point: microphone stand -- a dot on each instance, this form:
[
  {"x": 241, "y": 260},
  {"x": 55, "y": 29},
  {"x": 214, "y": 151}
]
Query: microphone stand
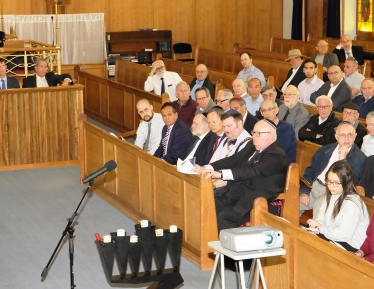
[{"x": 68, "y": 229}]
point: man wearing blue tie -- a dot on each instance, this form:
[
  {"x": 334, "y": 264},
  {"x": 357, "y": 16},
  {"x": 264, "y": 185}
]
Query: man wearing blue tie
[{"x": 6, "y": 81}]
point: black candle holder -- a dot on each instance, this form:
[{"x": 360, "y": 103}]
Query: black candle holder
[{"x": 148, "y": 246}]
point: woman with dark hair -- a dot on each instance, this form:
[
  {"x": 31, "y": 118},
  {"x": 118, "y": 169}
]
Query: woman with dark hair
[{"x": 342, "y": 217}]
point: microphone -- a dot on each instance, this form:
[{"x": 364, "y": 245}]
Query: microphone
[{"x": 108, "y": 167}]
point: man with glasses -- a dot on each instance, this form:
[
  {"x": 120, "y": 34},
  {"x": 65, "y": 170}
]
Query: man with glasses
[
  {"x": 366, "y": 100},
  {"x": 292, "y": 111},
  {"x": 351, "y": 112},
  {"x": 258, "y": 170},
  {"x": 336, "y": 88},
  {"x": 315, "y": 174},
  {"x": 323, "y": 56},
  {"x": 268, "y": 92},
  {"x": 320, "y": 127},
  {"x": 161, "y": 81},
  {"x": 184, "y": 105},
  {"x": 202, "y": 80},
  {"x": 352, "y": 76},
  {"x": 249, "y": 120},
  {"x": 311, "y": 83},
  {"x": 295, "y": 75},
  {"x": 223, "y": 98},
  {"x": 205, "y": 102}
]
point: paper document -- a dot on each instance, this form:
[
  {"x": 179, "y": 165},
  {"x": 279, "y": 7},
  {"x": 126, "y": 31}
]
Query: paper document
[{"x": 186, "y": 166}]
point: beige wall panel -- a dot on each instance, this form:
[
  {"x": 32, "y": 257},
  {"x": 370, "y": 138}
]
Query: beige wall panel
[
  {"x": 192, "y": 215},
  {"x": 146, "y": 201},
  {"x": 109, "y": 154}
]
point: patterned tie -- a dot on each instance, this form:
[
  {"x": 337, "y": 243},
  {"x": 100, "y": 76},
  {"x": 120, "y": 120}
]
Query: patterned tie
[
  {"x": 162, "y": 86},
  {"x": 3, "y": 84},
  {"x": 232, "y": 142},
  {"x": 286, "y": 115},
  {"x": 253, "y": 158},
  {"x": 165, "y": 141},
  {"x": 146, "y": 144}
]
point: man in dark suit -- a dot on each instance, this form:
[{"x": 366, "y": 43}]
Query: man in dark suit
[
  {"x": 345, "y": 49},
  {"x": 42, "y": 78},
  {"x": 176, "y": 135},
  {"x": 336, "y": 88},
  {"x": 202, "y": 79},
  {"x": 249, "y": 120},
  {"x": 202, "y": 142},
  {"x": 258, "y": 170},
  {"x": 6, "y": 81}
]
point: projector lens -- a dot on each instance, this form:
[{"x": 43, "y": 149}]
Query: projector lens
[{"x": 269, "y": 239}]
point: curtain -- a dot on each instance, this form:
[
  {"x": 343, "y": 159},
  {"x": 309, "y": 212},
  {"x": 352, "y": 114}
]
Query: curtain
[
  {"x": 82, "y": 36},
  {"x": 297, "y": 20},
  {"x": 333, "y": 19}
]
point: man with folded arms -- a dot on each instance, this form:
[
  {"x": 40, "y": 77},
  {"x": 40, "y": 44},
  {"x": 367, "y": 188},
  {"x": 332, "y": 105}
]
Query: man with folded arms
[
  {"x": 258, "y": 170},
  {"x": 202, "y": 80},
  {"x": 160, "y": 81},
  {"x": 320, "y": 128},
  {"x": 148, "y": 135},
  {"x": 292, "y": 111},
  {"x": 366, "y": 100},
  {"x": 204, "y": 101},
  {"x": 315, "y": 174}
]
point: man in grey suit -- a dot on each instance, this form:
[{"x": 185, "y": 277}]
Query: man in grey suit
[
  {"x": 204, "y": 100},
  {"x": 5, "y": 80},
  {"x": 336, "y": 88},
  {"x": 323, "y": 56}
]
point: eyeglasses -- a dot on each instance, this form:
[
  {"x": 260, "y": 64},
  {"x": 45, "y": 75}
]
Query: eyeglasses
[
  {"x": 202, "y": 98},
  {"x": 350, "y": 112},
  {"x": 343, "y": 135},
  {"x": 264, "y": 110},
  {"x": 333, "y": 73},
  {"x": 323, "y": 107},
  {"x": 220, "y": 101},
  {"x": 333, "y": 183},
  {"x": 258, "y": 133}
]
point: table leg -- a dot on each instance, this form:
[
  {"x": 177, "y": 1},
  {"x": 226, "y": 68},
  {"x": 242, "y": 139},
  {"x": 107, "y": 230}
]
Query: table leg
[
  {"x": 223, "y": 271},
  {"x": 214, "y": 270},
  {"x": 259, "y": 268},
  {"x": 257, "y": 273},
  {"x": 241, "y": 273}
]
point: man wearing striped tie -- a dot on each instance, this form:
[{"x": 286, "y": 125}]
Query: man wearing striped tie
[
  {"x": 176, "y": 136},
  {"x": 6, "y": 81}
]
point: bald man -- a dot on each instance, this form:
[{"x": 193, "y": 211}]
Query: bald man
[
  {"x": 202, "y": 79},
  {"x": 258, "y": 170},
  {"x": 345, "y": 49}
]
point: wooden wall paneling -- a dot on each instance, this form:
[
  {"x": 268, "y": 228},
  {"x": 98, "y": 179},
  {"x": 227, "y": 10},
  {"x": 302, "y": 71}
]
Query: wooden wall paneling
[
  {"x": 192, "y": 217},
  {"x": 146, "y": 188},
  {"x": 244, "y": 24},
  {"x": 93, "y": 101},
  {"x": 315, "y": 17},
  {"x": 110, "y": 154},
  {"x": 116, "y": 104}
]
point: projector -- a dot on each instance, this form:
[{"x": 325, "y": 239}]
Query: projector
[{"x": 251, "y": 238}]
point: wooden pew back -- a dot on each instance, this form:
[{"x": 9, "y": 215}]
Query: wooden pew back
[
  {"x": 304, "y": 153},
  {"x": 333, "y": 42},
  {"x": 284, "y": 45},
  {"x": 271, "y": 55}
]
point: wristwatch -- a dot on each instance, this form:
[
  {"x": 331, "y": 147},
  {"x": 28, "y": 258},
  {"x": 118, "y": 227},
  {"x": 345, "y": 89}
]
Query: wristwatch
[{"x": 221, "y": 174}]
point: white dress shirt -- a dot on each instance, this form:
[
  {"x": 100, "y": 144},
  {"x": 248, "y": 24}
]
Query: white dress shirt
[
  {"x": 156, "y": 133},
  {"x": 368, "y": 145},
  {"x": 171, "y": 79},
  {"x": 306, "y": 89},
  {"x": 41, "y": 82}
]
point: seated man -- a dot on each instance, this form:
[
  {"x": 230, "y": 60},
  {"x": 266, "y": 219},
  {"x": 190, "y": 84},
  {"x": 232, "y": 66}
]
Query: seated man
[
  {"x": 239, "y": 88},
  {"x": 6, "y": 81},
  {"x": 292, "y": 111},
  {"x": 216, "y": 126},
  {"x": 368, "y": 141},
  {"x": 249, "y": 70},
  {"x": 176, "y": 136},
  {"x": 259, "y": 170},
  {"x": 202, "y": 79},
  {"x": 202, "y": 142},
  {"x": 159, "y": 80},
  {"x": 366, "y": 100},
  {"x": 185, "y": 105},
  {"x": 315, "y": 174},
  {"x": 352, "y": 76},
  {"x": 296, "y": 74},
  {"x": 350, "y": 114},
  {"x": 148, "y": 135},
  {"x": 42, "y": 78},
  {"x": 345, "y": 49},
  {"x": 285, "y": 132},
  {"x": 269, "y": 92},
  {"x": 249, "y": 120},
  {"x": 336, "y": 88},
  {"x": 223, "y": 98},
  {"x": 255, "y": 98},
  {"x": 204, "y": 100},
  {"x": 323, "y": 56},
  {"x": 236, "y": 136},
  {"x": 311, "y": 83},
  {"x": 320, "y": 128}
]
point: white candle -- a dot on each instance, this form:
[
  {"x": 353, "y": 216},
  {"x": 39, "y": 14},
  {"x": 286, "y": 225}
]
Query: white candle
[
  {"x": 107, "y": 238},
  {"x": 133, "y": 239},
  {"x": 144, "y": 223},
  {"x": 159, "y": 232},
  {"x": 121, "y": 232},
  {"x": 173, "y": 229}
]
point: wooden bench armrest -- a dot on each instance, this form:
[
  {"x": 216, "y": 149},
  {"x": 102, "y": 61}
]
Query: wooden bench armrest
[{"x": 127, "y": 134}]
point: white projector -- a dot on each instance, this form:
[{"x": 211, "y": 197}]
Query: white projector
[{"x": 251, "y": 238}]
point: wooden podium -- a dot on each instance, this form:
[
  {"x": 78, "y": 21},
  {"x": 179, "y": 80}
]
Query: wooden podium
[{"x": 61, "y": 6}]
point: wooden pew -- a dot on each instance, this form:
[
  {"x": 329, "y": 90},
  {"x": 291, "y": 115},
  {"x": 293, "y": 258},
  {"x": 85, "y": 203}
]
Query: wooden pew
[
  {"x": 279, "y": 56},
  {"x": 333, "y": 42},
  {"x": 304, "y": 153},
  {"x": 284, "y": 45},
  {"x": 310, "y": 262},
  {"x": 39, "y": 126}
]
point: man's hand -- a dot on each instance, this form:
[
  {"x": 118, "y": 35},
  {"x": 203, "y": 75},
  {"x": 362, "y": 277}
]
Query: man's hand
[
  {"x": 219, "y": 183},
  {"x": 198, "y": 169},
  {"x": 343, "y": 151},
  {"x": 65, "y": 82},
  {"x": 155, "y": 65},
  {"x": 308, "y": 129},
  {"x": 304, "y": 199},
  {"x": 319, "y": 135}
]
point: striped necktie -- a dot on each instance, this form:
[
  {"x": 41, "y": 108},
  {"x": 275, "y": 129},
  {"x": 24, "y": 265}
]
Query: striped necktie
[{"x": 165, "y": 141}]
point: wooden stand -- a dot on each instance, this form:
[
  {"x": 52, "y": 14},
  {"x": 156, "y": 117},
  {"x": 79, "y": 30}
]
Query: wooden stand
[{"x": 61, "y": 6}]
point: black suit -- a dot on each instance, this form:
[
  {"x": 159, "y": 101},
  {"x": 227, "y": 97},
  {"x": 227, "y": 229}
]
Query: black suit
[
  {"x": 250, "y": 122},
  {"x": 208, "y": 84},
  {"x": 299, "y": 77},
  {"x": 361, "y": 132},
  {"x": 51, "y": 77},
  {"x": 341, "y": 95},
  {"x": 358, "y": 53},
  {"x": 264, "y": 176},
  {"x": 204, "y": 150},
  {"x": 11, "y": 82},
  {"x": 179, "y": 138}
]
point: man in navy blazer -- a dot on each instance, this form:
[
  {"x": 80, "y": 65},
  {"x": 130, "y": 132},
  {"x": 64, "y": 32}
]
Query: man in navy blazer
[
  {"x": 179, "y": 135},
  {"x": 202, "y": 142},
  {"x": 42, "y": 78},
  {"x": 240, "y": 106},
  {"x": 9, "y": 82},
  {"x": 345, "y": 49}
]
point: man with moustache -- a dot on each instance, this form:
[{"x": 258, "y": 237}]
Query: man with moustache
[
  {"x": 311, "y": 83},
  {"x": 148, "y": 135}
]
